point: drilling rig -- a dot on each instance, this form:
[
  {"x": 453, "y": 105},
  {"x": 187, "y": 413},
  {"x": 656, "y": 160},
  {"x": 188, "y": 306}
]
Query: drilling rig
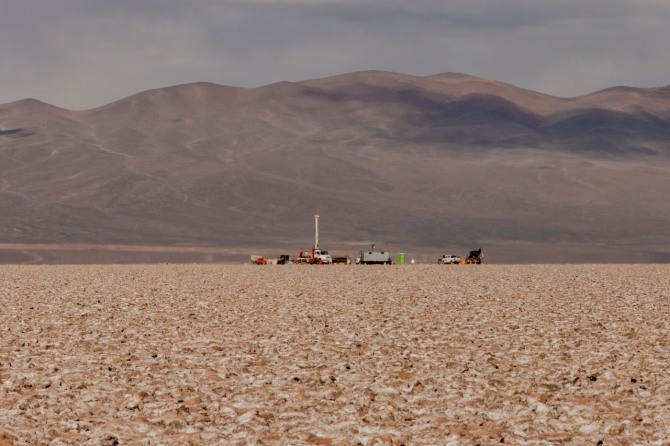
[{"x": 316, "y": 255}]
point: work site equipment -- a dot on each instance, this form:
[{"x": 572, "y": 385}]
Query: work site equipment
[
  {"x": 475, "y": 257},
  {"x": 374, "y": 257},
  {"x": 258, "y": 260},
  {"x": 316, "y": 255}
]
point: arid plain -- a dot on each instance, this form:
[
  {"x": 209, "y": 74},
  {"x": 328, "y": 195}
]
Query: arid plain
[{"x": 414, "y": 355}]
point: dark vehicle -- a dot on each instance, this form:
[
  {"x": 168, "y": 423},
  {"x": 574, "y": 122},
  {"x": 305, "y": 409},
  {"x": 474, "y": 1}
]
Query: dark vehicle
[{"x": 475, "y": 257}]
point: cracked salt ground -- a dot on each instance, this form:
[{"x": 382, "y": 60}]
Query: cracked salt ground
[{"x": 154, "y": 355}]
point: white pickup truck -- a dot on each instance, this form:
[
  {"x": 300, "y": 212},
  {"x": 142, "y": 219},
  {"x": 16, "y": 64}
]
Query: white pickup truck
[{"x": 448, "y": 259}]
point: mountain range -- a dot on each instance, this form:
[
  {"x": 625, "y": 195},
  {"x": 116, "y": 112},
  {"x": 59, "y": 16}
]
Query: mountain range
[{"x": 424, "y": 165}]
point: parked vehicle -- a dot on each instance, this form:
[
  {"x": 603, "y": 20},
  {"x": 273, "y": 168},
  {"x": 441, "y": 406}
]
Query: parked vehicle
[
  {"x": 475, "y": 257},
  {"x": 449, "y": 259},
  {"x": 315, "y": 256}
]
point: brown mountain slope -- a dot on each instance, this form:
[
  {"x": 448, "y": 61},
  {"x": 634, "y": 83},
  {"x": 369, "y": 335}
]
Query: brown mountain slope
[{"x": 416, "y": 164}]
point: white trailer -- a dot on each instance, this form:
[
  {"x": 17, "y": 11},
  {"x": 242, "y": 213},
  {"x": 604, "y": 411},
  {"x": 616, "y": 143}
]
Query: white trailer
[{"x": 374, "y": 257}]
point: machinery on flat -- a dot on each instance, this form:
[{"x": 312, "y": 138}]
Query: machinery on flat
[
  {"x": 374, "y": 257},
  {"x": 315, "y": 256},
  {"x": 475, "y": 257}
]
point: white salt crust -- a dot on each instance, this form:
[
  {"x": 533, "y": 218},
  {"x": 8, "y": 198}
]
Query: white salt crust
[{"x": 334, "y": 355}]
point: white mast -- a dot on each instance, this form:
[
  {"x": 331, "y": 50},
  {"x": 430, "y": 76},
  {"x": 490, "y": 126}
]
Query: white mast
[{"x": 316, "y": 231}]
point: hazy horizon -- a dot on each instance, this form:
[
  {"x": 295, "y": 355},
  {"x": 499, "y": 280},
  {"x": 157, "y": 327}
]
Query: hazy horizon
[{"x": 80, "y": 54}]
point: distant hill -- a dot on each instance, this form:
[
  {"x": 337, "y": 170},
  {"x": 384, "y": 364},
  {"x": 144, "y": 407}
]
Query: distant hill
[{"x": 423, "y": 165}]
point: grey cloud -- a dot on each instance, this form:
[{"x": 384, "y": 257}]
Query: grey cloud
[{"x": 84, "y": 53}]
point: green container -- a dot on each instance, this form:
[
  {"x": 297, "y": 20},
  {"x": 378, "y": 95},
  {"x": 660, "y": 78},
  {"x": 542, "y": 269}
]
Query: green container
[{"x": 400, "y": 258}]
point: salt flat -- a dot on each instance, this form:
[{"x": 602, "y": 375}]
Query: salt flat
[{"x": 334, "y": 355}]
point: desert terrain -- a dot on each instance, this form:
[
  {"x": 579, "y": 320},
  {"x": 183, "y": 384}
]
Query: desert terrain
[
  {"x": 335, "y": 355},
  {"x": 417, "y": 164}
]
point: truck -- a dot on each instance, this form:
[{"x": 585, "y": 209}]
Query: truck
[
  {"x": 374, "y": 257},
  {"x": 449, "y": 259},
  {"x": 315, "y": 256}
]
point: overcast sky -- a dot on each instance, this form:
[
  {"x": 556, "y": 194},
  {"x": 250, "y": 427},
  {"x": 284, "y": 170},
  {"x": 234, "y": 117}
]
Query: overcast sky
[{"x": 84, "y": 53}]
